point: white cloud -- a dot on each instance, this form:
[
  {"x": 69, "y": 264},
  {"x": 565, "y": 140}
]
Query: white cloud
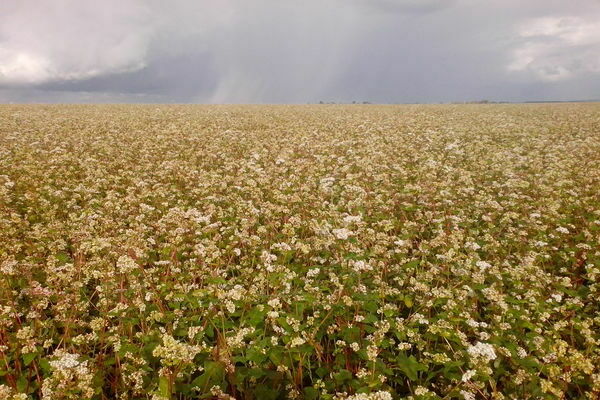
[
  {"x": 45, "y": 41},
  {"x": 557, "y": 48}
]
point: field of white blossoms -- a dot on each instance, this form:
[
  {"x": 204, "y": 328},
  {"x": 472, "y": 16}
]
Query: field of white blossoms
[{"x": 300, "y": 252}]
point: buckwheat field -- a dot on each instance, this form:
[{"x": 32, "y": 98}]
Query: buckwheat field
[{"x": 300, "y": 252}]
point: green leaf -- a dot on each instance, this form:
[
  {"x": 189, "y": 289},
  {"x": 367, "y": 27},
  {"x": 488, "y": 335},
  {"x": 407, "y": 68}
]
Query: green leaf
[
  {"x": 28, "y": 358},
  {"x": 256, "y": 356},
  {"x": 45, "y": 365},
  {"x": 452, "y": 370},
  {"x": 164, "y": 387},
  {"x": 342, "y": 376},
  {"x": 528, "y": 362},
  {"x": 22, "y": 384},
  {"x": 311, "y": 393},
  {"x": 351, "y": 334},
  {"x": 371, "y": 306},
  {"x": 265, "y": 392},
  {"x": 256, "y": 372},
  {"x": 410, "y": 366},
  {"x": 322, "y": 372},
  {"x": 63, "y": 258},
  {"x": 255, "y": 317},
  {"x": 214, "y": 374},
  {"x": 210, "y": 332},
  {"x": 276, "y": 356}
]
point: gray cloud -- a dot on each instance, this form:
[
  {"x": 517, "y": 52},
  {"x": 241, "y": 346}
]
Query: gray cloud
[
  {"x": 45, "y": 41},
  {"x": 558, "y": 47},
  {"x": 405, "y": 6},
  {"x": 280, "y": 51}
]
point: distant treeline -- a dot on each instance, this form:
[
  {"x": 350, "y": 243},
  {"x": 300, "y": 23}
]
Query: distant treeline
[
  {"x": 472, "y": 102},
  {"x": 353, "y": 102}
]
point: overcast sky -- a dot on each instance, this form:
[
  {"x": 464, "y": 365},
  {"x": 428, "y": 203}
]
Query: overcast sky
[{"x": 291, "y": 51}]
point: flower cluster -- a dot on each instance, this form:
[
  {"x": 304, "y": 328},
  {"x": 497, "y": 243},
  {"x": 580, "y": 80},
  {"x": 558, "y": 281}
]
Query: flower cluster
[{"x": 70, "y": 378}]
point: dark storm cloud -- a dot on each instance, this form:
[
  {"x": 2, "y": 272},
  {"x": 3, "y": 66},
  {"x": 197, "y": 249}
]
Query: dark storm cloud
[
  {"x": 284, "y": 51},
  {"x": 161, "y": 77}
]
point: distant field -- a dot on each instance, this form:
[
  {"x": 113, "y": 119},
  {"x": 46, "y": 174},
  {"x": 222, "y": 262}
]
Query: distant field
[{"x": 302, "y": 252}]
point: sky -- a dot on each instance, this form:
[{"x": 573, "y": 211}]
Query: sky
[{"x": 290, "y": 51}]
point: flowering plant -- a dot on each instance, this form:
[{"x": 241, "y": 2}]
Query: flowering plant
[{"x": 358, "y": 253}]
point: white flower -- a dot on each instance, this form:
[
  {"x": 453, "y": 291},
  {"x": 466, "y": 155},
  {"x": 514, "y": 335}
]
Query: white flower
[
  {"x": 468, "y": 375},
  {"x": 483, "y": 351},
  {"x": 380, "y": 395},
  {"x": 472, "y": 323},
  {"x": 230, "y": 306},
  {"x": 66, "y": 361},
  {"x": 342, "y": 233},
  {"x": 297, "y": 341},
  {"x": 274, "y": 303},
  {"x": 483, "y": 265},
  {"x": 173, "y": 352},
  {"x": 126, "y": 264},
  {"x": 313, "y": 272},
  {"x": 472, "y": 246},
  {"x": 8, "y": 267},
  {"x": 349, "y": 219},
  {"x": 361, "y": 265},
  {"x": 467, "y": 395},
  {"x": 404, "y": 346}
]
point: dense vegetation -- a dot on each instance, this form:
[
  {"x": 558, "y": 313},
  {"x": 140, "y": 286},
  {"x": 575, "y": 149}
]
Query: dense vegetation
[{"x": 306, "y": 252}]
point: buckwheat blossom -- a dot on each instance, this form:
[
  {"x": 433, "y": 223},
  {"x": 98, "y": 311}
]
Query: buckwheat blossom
[
  {"x": 467, "y": 395},
  {"x": 482, "y": 351},
  {"x": 468, "y": 375},
  {"x": 173, "y": 352},
  {"x": 378, "y": 395},
  {"x": 342, "y": 233},
  {"x": 422, "y": 391},
  {"x": 71, "y": 377},
  {"x": 274, "y": 303},
  {"x": 297, "y": 341},
  {"x": 351, "y": 219},
  {"x": 126, "y": 264}
]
